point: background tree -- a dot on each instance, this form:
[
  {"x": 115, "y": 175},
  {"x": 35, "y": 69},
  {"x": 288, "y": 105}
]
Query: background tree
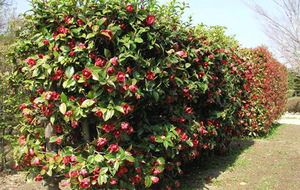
[
  {"x": 283, "y": 30},
  {"x": 10, "y": 96}
]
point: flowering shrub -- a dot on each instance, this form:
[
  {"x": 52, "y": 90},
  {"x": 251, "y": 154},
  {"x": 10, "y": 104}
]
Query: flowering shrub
[
  {"x": 123, "y": 93},
  {"x": 266, "y": 85}
]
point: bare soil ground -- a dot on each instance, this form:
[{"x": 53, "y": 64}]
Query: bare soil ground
[{"x": 271, "y": 163}]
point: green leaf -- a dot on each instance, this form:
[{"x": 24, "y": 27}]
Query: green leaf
[
  {"x": 103, "y": 170},
  {"x": 70, "y": 71},
  {"x": 120, "y": 109},
  {"x": 87, "y": 103},
  {"x": 52, "y": 119},
  {"x": 187, "y": 65},
  {"x": 63, "y": 97},
  {"x": 99, "y": 158},
  {"x": 63, "y": 108},
  {"x": 148, "y": 181},
  {"x": 161, "y": 160},
  {"x": 90, "y": 159},
  {"x": 101, "y": 21},
  {"x": 138, "y": 40},
  {"x": 107, "y": 53},
  {"x": 130, "y": 158},
  {"x": 116, "y": 165},
  {"x": 156, "y": 96},
  {"x": 53, "y": 139},
  {"x": 108, "y": 114}
]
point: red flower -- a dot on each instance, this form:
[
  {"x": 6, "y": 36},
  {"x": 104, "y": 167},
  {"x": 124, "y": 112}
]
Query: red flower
[
  {"x": 31, "y": 61},
  {"x": 79, "y": 22},
  {"x": 107, "y": 127},
  {"x": 23, "y": 106},
  {"x": 114, "y": 61},
  {"x": 150, "y": 19},
  {"x": 183, "y": 136},
  {"x": 74, "y": 124},
  {"x": 83, "y": 172},
  {"x": 121, "y": 76},
  {"x": 126, "y": 108},
  {"x": 39, "y": 177},
  {"x": 113, "y": 181},
  {"x": 99, "y": 113},
  {"x": 101, "y": 142},
  {"x": 85, "y": 183},
  {"x": 66, "y": 160},
  {"x": 133, "y": 88},
  {"x": 156, "y": 171},
  {"x": 110, "y": 71},
  {"x": 58, "y": 140},
  {"x": 72, "y": 53},
  {"x": 150, "y": 75},
  {"x": 155, "y": 180},
  {"x": 113, "y": 148},
  {"x": 54, "y": 34},
  {"x": 76, "y": 76},
  {"x": 106, "y": 34},
  {"x": 188, "y": 110},
  {"x": 45, "y": 42},
  {"x": 81, "y": 45},
  {"x": 136, "y": 179},
  {"x": 152, "y": 138},
  {"x": 68, "y": 20},
  {"x": 58, "y": 128},
  {"x": 125, "y": 125},
  {"x": 37, "y": 161},
  {"x": 129, "y": 8},
  {"x": 100, "y": 62},
  {"x": 62, "y": 30},
  {"x": 86, "y": 73},
  {"x": 129, "y": 70},
  {"x": 211, "y": 56}
]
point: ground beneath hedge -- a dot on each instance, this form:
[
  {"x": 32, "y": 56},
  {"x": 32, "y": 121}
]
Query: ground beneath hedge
[{"x": 271, "y": 163}]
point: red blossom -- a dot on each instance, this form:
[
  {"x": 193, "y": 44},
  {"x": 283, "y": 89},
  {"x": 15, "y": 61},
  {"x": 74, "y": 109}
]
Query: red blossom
[
  {"x": 113, "y": 148},
  {"x": 101, "y": 142},
  {"x": 99, "y": 113},
  {"x": 86, "y": 73},
  {"x": 129, "y": 8},
  {"x": 133, "y": 88},
  {"x": 114, "y": 61},
  {"x": 106, "y": 34},
  {"x": 100, "y": 62},
  {"x": 150, "y": 75},
  {"x": 31, "y": 61},
  {"x": 121, "y": 76},
  {"x": 62, "y": 30},
  {"x": 150, "y": 19},
  {"x": 39, "y": 177},
  {"x": 110, "y": 71},
  {"x": 107, "y": 127}
]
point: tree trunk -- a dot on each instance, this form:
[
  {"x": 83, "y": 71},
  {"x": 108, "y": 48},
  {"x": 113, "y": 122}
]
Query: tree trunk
[{"x": 85, "y": 130}]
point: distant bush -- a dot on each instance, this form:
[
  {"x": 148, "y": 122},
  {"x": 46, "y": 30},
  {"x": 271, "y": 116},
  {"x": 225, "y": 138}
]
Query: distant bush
[{"x": 293, "y": 104}]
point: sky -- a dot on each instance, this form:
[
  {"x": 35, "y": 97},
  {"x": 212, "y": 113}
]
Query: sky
[{"x": 235, "y": 15}]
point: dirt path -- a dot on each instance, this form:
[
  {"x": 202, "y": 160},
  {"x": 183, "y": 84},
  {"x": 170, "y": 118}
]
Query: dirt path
[{"x": 263, "y": 164}]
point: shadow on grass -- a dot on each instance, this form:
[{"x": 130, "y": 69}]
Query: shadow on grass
[
  {"x": 197, "y": 172},
  {"x": 213, "y": 165}
]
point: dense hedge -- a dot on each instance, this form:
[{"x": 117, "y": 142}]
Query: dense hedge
[{"x": 131, "y": 92}]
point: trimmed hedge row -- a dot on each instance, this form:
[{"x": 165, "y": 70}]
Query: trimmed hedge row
[{"x": 128, "y": 92}]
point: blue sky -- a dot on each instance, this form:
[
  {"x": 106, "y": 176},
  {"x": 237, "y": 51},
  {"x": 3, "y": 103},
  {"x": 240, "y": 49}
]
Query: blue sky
[{"x": 239, "y": 19}]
